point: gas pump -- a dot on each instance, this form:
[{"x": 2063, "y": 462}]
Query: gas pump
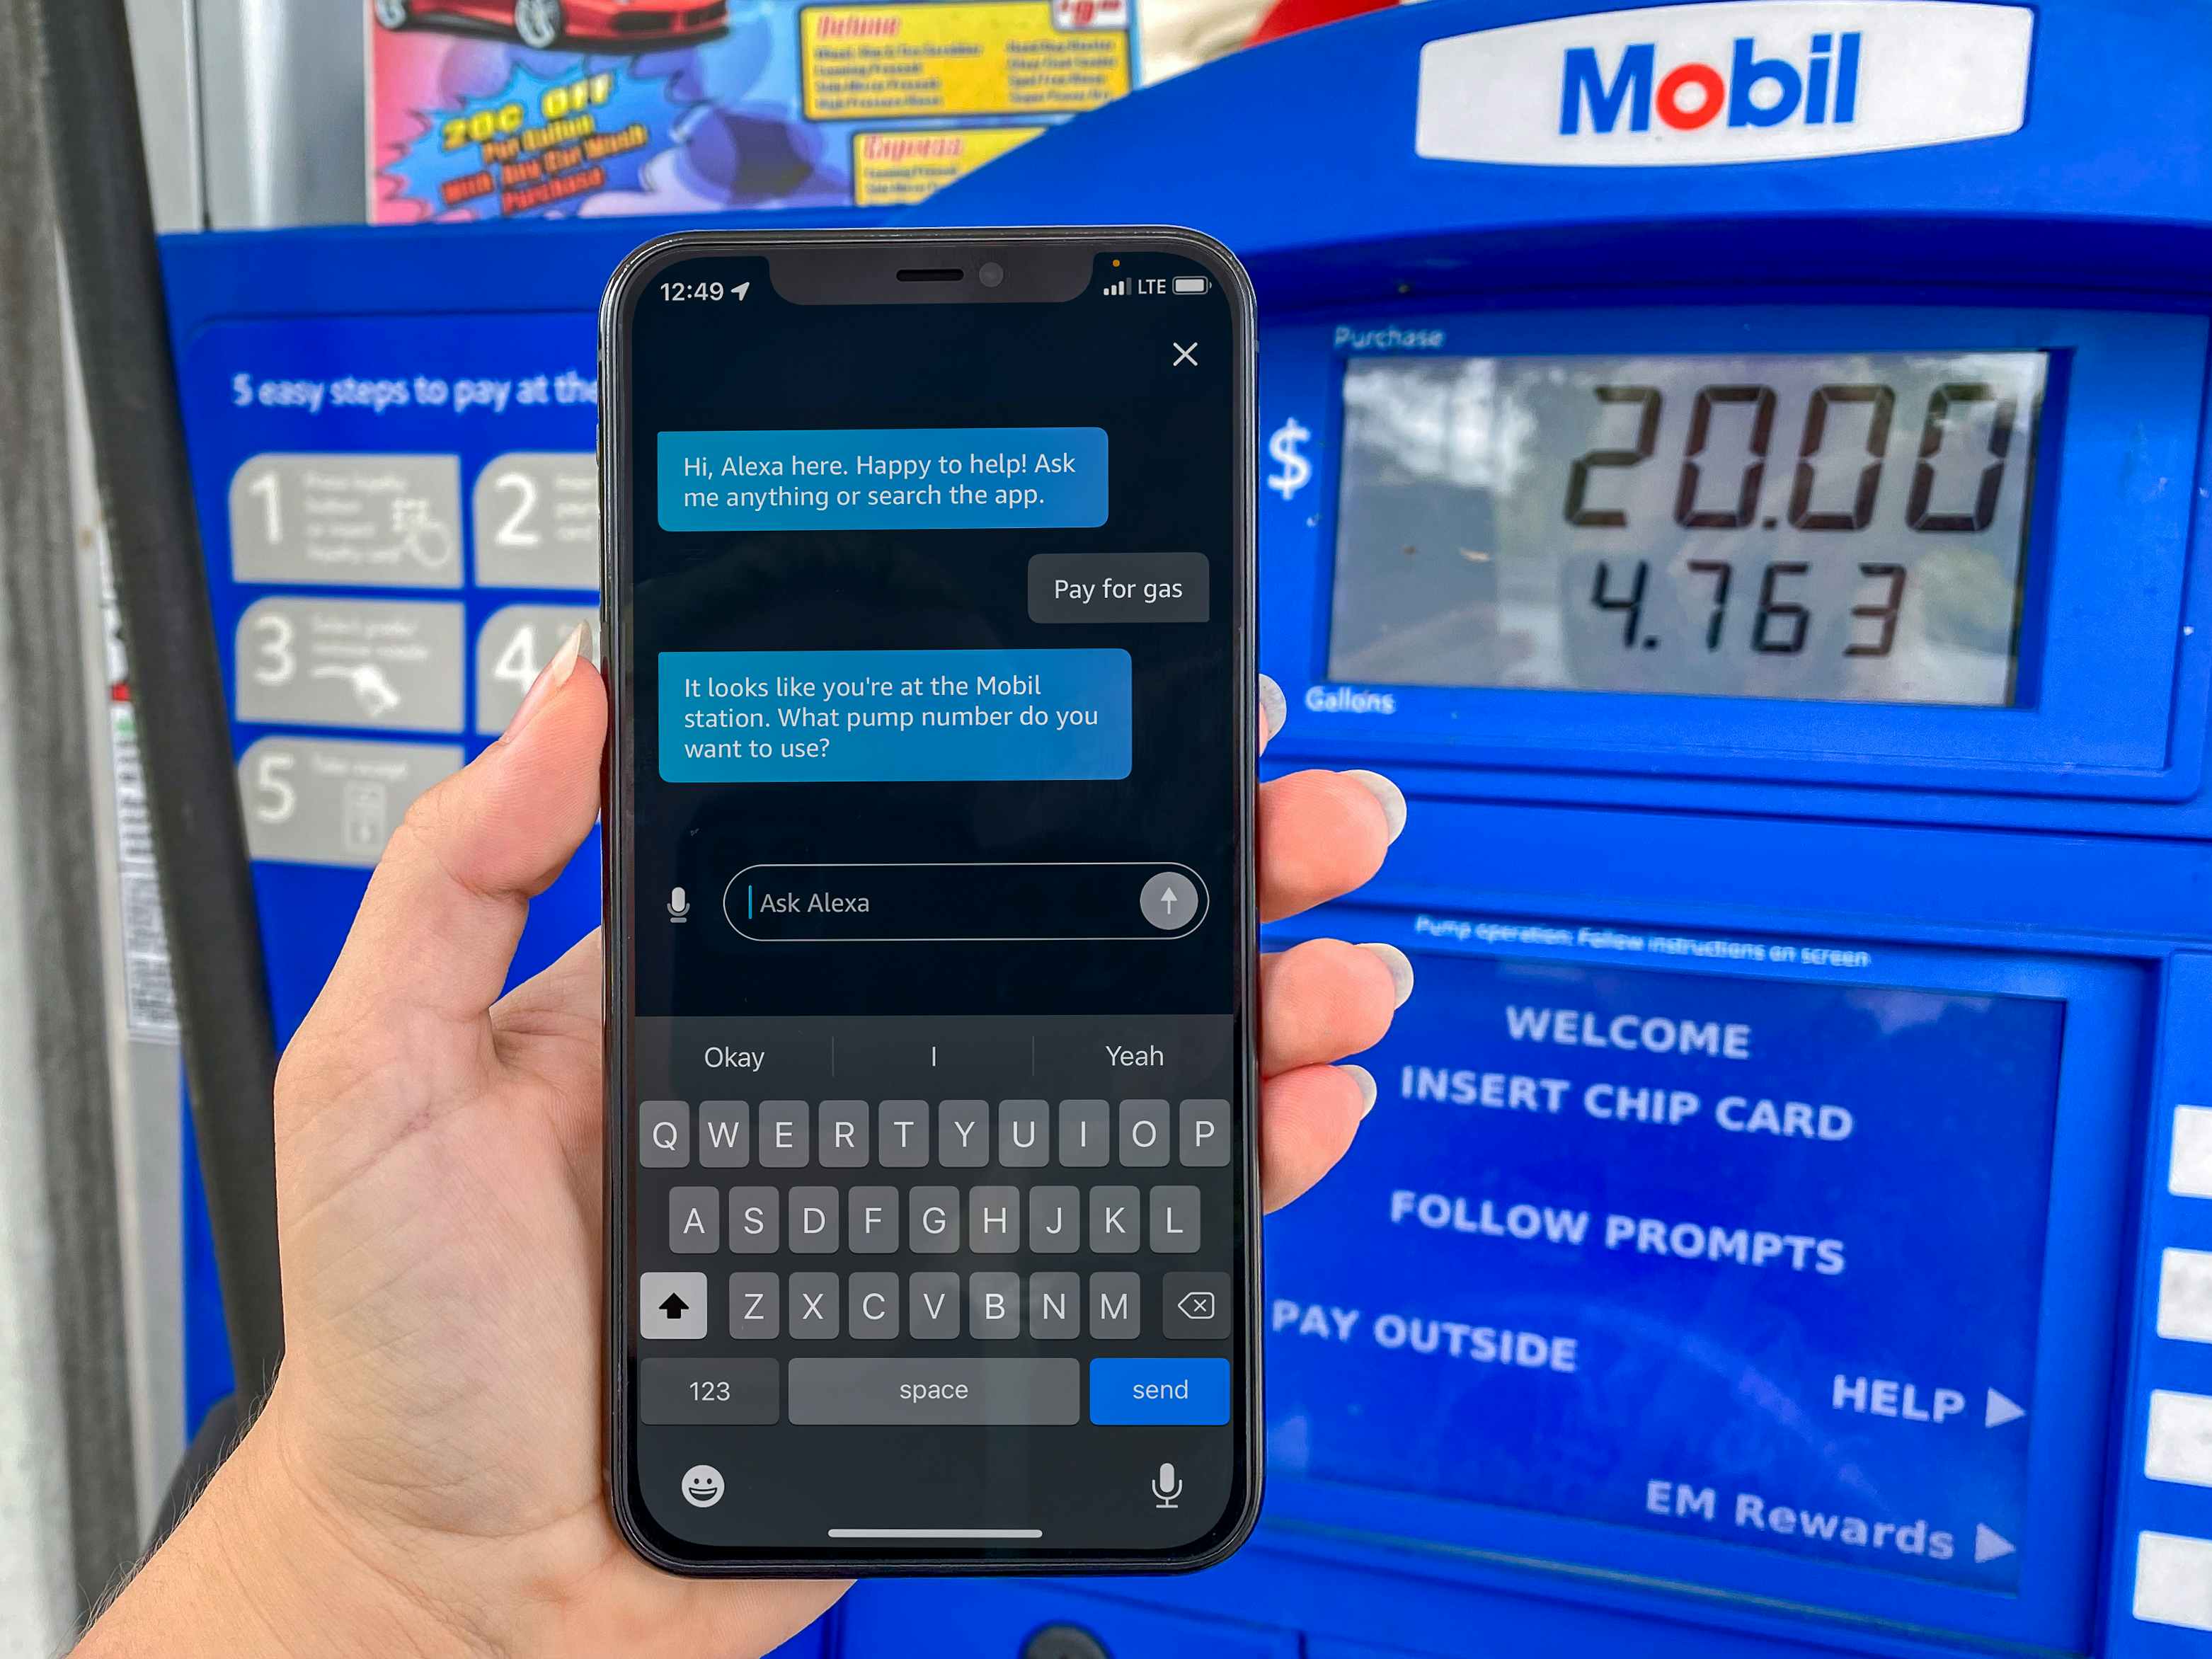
[{"x": 1738, "y": 466}]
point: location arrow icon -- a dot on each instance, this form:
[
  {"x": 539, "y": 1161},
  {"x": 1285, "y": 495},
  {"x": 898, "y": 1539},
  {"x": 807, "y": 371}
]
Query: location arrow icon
[
  {"x": 1989, "y": 1546},
  {"x": 2001, "y": 1410}
]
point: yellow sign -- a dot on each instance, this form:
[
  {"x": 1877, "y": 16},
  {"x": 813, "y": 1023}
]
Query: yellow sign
[
  {"x": 956, "y": 58},
  {"x": 892, "y": 168}
]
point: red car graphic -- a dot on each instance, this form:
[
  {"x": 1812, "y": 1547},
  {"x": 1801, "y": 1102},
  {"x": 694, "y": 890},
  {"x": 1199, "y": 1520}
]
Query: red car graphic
[{"x": 547, "y": 23}]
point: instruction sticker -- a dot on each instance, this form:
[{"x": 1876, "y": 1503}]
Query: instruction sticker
[
  {"x": 355, "y": 520},
  {"x": 537, "y": 522},
  {"x": 333, "y": 800},
  {"x": 350, "y": 662},
  {"x": 892, "y": 168},
  {"x": 989, "y": 58},
  {"x": 514, "y": 646}
]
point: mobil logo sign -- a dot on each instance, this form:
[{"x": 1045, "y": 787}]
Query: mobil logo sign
[
  {"x": 1735, "y": 81},
  {"x": 1757, "y": 92}
]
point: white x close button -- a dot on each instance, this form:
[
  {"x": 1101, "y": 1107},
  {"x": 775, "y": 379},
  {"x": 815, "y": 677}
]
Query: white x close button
[{"x": 1185, "y": 357}]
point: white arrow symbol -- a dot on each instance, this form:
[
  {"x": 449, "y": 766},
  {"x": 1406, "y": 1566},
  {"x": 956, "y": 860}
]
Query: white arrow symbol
[
  {"x": 1989, "y": 1546},
  {"x": 2001, "y": 1410}
]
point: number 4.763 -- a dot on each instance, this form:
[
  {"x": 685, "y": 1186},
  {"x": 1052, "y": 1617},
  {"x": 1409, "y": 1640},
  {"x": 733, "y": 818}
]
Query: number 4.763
[{"x": 1780, "y": 626}]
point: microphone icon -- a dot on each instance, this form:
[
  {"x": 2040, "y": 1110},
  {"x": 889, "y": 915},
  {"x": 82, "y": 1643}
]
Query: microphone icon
[
  {"x": 1166, "y": 1488},
  {"x": 679, "y": 907}
]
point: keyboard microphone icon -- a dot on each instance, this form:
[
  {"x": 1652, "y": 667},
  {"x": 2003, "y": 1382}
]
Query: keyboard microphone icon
[
  {"x": 679, "y": 905},
  {"x": 1166, "y": 1488}
]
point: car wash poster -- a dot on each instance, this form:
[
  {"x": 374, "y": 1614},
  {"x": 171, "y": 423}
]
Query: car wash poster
[{"x": 503, "y": 109}]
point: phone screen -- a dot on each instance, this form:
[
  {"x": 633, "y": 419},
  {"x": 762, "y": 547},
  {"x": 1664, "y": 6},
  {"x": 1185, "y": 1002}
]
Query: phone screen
[{"x": 931, "y": 904}]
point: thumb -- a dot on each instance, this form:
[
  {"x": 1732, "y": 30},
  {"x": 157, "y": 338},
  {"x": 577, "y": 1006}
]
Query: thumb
[{"x": 436, "y": 932}]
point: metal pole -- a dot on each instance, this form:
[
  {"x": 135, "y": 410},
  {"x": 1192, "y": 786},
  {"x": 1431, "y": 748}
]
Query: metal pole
[
  {"x": 55, "y": 958},
  {"x": 105, "y": 214}
]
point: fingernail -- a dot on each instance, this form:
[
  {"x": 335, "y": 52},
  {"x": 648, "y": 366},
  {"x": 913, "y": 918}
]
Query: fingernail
[
  {"x": 1401, "y": 969},
  {"x": 1275, "y": 707},
  {"x": 1392, "y": 797},
  {"x": 554, "y": 676},
  {"x": 1366, "y": 1081}
]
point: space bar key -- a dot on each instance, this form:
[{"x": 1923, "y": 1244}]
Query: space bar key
[{"x": 931, "y": 1392}]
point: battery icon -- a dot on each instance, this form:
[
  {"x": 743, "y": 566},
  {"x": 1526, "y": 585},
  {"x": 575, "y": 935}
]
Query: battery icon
[{"x": 1190, "y": 284}]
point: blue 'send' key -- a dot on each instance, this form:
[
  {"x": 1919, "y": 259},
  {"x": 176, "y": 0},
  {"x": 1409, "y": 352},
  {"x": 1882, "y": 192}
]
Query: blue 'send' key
[{"x": 1159, "y": 1391}]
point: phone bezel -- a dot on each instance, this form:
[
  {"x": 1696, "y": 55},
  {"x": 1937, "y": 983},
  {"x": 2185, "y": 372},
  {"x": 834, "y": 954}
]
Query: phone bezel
[{"x": 867, "y": 261}]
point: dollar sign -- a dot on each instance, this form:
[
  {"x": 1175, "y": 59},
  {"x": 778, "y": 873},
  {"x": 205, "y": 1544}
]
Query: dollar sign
[{"x": 1284, "y": 447}]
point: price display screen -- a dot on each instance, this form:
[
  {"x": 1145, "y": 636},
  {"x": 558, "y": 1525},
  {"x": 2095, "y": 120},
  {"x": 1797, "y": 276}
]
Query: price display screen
[{"x": 1847, "y": 527}]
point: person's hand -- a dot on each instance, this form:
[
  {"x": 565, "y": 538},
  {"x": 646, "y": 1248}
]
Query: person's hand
[{"x": 427, "y": 1475}]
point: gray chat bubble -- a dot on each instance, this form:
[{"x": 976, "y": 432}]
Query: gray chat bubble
[{"x": 1119, "y": 587}]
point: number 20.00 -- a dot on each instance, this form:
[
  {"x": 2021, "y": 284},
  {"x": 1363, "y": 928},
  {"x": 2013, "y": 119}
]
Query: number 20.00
[{"x": 1692, "y": 513}]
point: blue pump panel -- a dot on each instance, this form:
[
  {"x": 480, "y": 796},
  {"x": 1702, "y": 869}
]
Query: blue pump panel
[
  {"x": 1742, "y": 469},
  {"x": 1755, "y": 1261},
  {"x": 1693, "y": 1250}
]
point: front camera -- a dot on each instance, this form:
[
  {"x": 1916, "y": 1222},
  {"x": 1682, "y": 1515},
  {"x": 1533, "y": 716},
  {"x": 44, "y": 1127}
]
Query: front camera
[{"x": 990, "y": 273}]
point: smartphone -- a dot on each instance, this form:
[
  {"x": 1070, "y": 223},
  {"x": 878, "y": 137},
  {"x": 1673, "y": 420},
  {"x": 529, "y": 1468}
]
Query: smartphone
[{"x": 932, "y": 1189}]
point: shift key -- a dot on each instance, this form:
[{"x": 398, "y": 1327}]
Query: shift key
[
  {"x": 932, "y": 1392},
  {"x": 707, "y": 1391}
]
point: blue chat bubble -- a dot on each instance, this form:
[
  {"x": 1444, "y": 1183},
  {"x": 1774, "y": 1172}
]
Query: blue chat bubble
[
  {"x": 881, "y": 478},
  {"x": 893, "y": 716}
]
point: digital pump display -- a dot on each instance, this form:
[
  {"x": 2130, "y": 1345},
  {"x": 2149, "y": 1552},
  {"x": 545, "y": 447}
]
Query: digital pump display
[{"x": 1846, "y": 527}]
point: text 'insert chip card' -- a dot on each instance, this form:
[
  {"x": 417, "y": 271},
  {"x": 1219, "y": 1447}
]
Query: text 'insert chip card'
[
  {"x": 884, "y": 478},
  {"x": 893, "y": 716}
]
